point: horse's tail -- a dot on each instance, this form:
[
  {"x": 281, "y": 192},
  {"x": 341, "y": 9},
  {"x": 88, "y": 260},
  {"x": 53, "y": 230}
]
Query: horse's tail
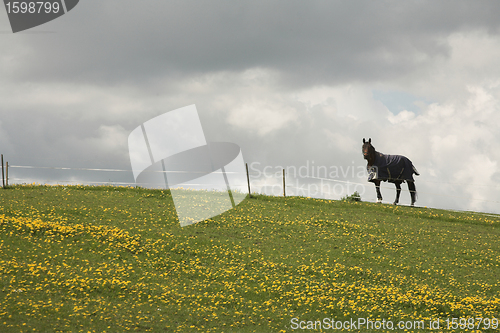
[{"x": 415, "y": 171}]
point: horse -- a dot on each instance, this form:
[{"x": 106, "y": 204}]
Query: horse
[{"x": 392, "y": 168}]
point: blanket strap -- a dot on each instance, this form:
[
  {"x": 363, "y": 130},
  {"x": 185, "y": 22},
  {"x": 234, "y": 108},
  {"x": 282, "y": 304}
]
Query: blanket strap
[{"x": 402, "y": 170}]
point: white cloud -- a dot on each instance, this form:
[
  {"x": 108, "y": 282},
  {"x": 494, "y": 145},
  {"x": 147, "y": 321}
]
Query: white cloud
[
  {"x": 354, "y": 101},
  {"x": 475, "y": 171},
  {"x": 401, "y": 117},
  {"x": 262, "y": 116},
  {"x": 341, "y": 142},
  {"x": 453, "y": 143}
]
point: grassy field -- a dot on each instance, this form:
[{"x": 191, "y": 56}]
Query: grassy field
[{"x": 112, "y": 259}]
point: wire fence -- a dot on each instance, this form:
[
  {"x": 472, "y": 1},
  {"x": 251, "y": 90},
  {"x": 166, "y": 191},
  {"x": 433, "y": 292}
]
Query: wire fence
[
  {"x": 276, "y": 185},
  {"x": 87, "y": 182}
]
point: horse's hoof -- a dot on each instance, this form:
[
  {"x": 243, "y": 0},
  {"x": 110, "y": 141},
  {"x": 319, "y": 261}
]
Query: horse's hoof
[
  {"x": 395, "y": 203},
  {"x": 379, "y": 200}
]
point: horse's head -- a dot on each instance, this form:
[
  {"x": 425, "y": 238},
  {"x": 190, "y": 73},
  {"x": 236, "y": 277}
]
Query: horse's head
[{"x": 368, "y": 149}]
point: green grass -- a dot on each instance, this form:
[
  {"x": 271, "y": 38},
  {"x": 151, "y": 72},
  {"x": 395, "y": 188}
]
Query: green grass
[{"x": 114, "y": 259}]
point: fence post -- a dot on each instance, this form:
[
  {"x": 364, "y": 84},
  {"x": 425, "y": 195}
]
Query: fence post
[
  {"x": 248, "y": 181},
  {"x": 284, "y": 192},
  {"x": 3, "y": 175},
  {"x": 7, "y": 174}
]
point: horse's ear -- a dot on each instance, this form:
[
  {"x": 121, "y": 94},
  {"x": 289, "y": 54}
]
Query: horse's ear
[
  {"x": 363, "y": 140},
  {"x": 370, "y": 140}
]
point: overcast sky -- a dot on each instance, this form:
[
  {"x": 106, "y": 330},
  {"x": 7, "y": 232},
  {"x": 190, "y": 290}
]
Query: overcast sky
[{"x": 293, "y": 83}]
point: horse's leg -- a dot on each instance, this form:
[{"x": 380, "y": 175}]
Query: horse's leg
[
  {"x": 413, "y": 192},
  {"x": 398, "y": 191},
  {"x": 377, "y": 187}
]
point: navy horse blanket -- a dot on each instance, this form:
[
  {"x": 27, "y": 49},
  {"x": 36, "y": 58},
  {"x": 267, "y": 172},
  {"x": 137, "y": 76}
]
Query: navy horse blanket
[{"x": 392, "y": 168}]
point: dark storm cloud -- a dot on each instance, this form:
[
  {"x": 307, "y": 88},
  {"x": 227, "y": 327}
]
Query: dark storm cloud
[{"x": 308, "y": 42}]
